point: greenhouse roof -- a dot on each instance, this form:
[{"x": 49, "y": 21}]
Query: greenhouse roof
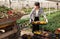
[{"x": 54, "y": 0}]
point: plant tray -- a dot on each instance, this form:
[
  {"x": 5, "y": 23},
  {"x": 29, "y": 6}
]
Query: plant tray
[{"x": 39, "y": 22}]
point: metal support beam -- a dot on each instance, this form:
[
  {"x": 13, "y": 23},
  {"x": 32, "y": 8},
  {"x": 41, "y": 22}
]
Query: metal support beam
[
  {"x": 57, "y": 5},
  {"x": 10, "y": 3}
]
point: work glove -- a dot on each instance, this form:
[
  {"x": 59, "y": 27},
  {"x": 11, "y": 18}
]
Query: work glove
[
  {"x": 46, "y": 20},
  {"x": 31, "y": 21}
]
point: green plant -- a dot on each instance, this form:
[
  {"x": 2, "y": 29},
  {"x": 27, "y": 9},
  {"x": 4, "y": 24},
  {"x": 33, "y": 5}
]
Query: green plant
[
  {"x": 27, "y": 10},
  {"x": 54, "y": 22},
  {"x": 4, "y": 9}
]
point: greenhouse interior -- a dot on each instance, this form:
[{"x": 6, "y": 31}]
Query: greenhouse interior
[{"x": 29, "y": 19}]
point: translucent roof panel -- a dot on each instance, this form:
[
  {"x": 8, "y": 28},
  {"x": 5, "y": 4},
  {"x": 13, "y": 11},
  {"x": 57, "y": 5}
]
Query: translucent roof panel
[{"x": 54, "y": 0}]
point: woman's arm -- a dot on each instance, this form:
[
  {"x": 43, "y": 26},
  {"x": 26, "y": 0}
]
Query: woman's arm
[
  {"x": 44, "y": 15},
  {"x": 45, "y": 18},
  {"x": 31, "y": 16}
]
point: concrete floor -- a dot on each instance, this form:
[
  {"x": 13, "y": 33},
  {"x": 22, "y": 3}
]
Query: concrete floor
[{"x": 27, "y": 31}]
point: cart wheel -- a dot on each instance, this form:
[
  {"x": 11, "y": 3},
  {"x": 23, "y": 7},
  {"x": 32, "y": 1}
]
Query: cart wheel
[
  {"x": 36, "y": 37},
  {"x": 14, "y": 36}
]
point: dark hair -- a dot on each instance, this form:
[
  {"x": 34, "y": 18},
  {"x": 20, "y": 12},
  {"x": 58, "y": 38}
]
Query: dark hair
[{"x": 37, "y": 4}]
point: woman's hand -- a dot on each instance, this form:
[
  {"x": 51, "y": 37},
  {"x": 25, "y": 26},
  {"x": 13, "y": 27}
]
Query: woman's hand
[
  {"x": 46, "y": 20},
  {"x": 31, "y": 20}
]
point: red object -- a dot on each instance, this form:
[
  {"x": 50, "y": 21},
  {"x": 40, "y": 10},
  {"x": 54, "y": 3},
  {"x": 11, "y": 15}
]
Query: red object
[
  {"x": 58, "y": 29},
  {"x": 9, "y": 12},
  {"x": 13, "y": 18}
]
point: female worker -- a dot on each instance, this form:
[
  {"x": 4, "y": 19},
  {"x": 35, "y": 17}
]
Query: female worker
[{"x": 35, "y": 15}]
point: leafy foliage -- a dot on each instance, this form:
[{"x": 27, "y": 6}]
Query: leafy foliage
[
  {"x": 4, "y": 9},
  {"x": 54, "y": 22}
]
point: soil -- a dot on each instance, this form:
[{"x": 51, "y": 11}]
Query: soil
[{"x": 11, "y": 18}]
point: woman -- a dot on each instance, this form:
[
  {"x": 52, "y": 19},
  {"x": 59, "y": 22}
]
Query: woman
[{"x": 35, "y": 15}]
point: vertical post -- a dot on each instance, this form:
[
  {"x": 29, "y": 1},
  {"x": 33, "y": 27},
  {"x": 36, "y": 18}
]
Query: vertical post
[
  {"x": 49, "y": 7},
  {"x": 22, "y": 4},
  {"x": 27, "y": 6},
  {"x": 5, "y": 2},
  {"x": 57, "y": 5},
  {"x": 10, "y": 3},
  {"x": 40, "y": 4}
]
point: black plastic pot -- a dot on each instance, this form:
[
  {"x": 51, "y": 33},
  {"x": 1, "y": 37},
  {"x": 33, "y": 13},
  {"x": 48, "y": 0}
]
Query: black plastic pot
[
  {"x": 52, "y": 36},
  {"x": 58, "y": 36}
]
